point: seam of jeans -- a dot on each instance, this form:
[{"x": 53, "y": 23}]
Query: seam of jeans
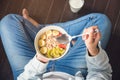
[
  {"x": 25, "y": 36},
  {"x": 21, "y": 28},
  {"x": 24, "y": 23},
  {"x": 29, "y": 27}
]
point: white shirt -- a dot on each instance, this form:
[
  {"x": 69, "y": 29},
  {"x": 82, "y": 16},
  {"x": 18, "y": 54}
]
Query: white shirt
[{"x": 98, "y": 69}]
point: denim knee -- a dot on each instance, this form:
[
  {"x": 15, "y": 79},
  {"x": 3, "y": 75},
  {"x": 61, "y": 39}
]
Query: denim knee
[
  {"x": 101, "y": 16},
  {"x": 98, "y": 15},
  {"x": 106, "y": 21},
  {"x": 8, "y": 17},
  {"x": 7, "y": 21}
]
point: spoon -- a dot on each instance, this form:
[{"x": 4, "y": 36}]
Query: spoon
[{"x": 64, "y": 39}]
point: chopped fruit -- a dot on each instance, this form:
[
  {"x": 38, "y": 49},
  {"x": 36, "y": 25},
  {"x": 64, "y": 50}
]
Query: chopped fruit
[
  {"x": 59, "y": 34},
  {"x": 49, "y": 32},
  {"x": 43, "y": 36},
  {"x": 55, "y": 32},
  {"x": 62, "y": 46},
  {"x": 43, "y": 50},
  {"x": 41, "y": 42},
  {"x": 49, "y": 46}
]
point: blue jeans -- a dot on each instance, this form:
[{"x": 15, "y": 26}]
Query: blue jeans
[{"x": 17, "y": 35}]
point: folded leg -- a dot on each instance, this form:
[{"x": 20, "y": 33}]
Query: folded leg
[
  {"x": 17, "y": 35},
  {"x": 74, "y": 60}
]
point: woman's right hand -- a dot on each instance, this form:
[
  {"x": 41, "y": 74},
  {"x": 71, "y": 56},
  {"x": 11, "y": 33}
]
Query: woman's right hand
[{"x": 91, "y": 39}]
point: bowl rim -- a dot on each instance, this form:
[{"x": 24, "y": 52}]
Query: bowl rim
[{"x": 41, "y": 31}]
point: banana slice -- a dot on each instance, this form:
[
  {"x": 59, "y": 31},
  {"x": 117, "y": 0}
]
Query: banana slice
[
  {"x": 55, "y": 32},
  {"x": 43, "y": 36},
  {"x": 41, "y": 43},
  {"x": 43, "y": 50},
  {"x": 49, "y": 32}
]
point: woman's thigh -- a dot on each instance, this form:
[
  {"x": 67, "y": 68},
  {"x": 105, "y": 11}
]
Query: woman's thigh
[
  {"x": 74, "y": 60},
  {"x": 17, "y": 35}
]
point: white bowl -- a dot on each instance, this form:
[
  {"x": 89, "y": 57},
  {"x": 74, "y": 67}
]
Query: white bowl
[{"x": 44, "y": 30}]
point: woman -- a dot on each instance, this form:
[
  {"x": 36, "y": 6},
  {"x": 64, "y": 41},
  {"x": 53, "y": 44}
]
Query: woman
[{"x": 18, "y": 33}]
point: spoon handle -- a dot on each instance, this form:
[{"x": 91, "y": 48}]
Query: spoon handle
[
  {"x": 96, "y": 31},
  {"x": 76, "y": 36}
]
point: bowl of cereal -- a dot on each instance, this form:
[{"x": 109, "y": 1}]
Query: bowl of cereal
[{"x": 47, "y": 45}]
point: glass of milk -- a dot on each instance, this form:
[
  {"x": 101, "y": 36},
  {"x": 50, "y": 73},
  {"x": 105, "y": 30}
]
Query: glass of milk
[{"x": 76, "y": 5}]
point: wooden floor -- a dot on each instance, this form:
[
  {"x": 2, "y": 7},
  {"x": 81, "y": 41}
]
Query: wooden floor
[{"x": 52, "y": 11}]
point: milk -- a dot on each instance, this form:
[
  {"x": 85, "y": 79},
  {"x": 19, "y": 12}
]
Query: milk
[{"x": 76, "y": 5}]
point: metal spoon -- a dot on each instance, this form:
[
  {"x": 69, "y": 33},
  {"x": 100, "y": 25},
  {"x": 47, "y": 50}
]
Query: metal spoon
[{"x": 64, "y": 39}]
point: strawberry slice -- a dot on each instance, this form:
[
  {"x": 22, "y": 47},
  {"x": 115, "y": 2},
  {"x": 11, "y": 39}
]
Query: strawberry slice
[
  {"x": 62, "y": 46},
  {"x": 59, "y": 34}
]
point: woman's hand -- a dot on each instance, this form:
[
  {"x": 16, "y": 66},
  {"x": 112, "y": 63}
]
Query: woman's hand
[
  {"x": 41, "y": 58},
  {"x": 91, "y": 39}
]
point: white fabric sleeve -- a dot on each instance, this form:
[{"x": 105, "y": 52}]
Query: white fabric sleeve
[
  {"x": 33, "y": 70},
  {"x": 98, "y": 66}
]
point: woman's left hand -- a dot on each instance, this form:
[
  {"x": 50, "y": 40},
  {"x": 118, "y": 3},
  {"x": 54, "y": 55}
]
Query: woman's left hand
[{"x": 41, "y": 58}]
